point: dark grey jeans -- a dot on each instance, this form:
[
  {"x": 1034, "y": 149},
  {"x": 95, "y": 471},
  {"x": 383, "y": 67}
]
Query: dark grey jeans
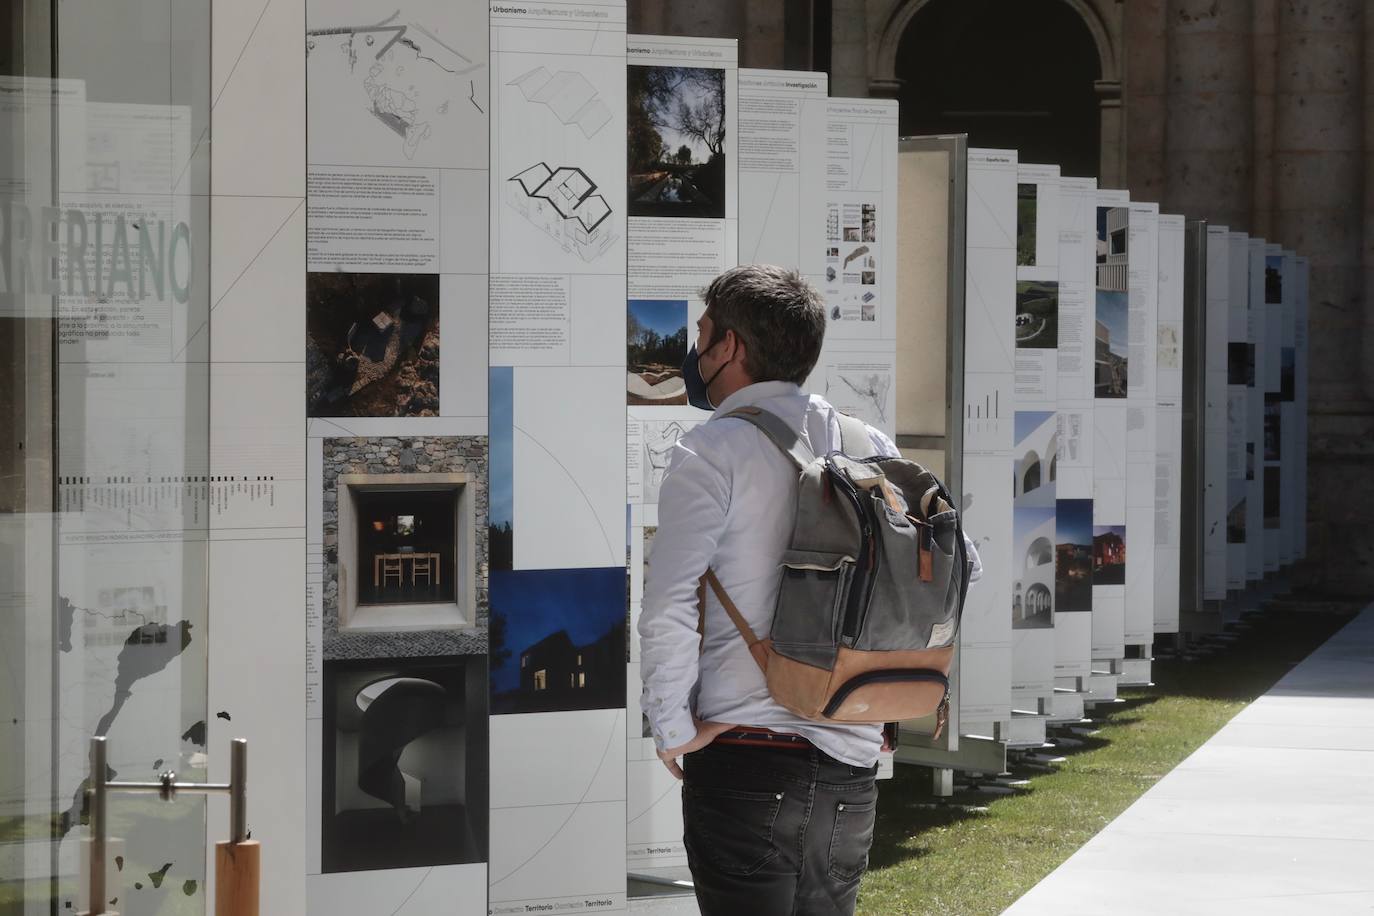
[{"x": 776, "y": 832}]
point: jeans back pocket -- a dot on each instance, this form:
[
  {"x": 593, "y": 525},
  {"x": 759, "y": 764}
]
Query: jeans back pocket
[
  {"x": 851, "y": 838},
  {"x": 730, "y": 828}
]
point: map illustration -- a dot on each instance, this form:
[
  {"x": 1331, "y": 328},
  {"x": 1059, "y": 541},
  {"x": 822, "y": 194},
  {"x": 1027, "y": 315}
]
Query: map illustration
[{"x": 400, "y": 73}]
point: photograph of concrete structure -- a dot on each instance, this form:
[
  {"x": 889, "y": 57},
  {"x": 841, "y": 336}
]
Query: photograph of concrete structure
[
  {"x": 1032, "y": 590},
  {"x": 1236, "y": 491},
  {"x": 1110, "y": 347},
  {"x": 1026, "y": 213},
  {"x": 677, "y": 142},
  {"x": 1109, "y": 555},
  {"x": 405, "y": 774},
  {"x": 656, "y": 341},
  {"x": 1113, "y": 255},
  {"x": 1037, "y": 314},
  {"x": 1273, "y": 428},
  {"x": 1073, "y": 555},
  {"x": 1037, "y": 458},
  {"x": 557, "y": 640},
  {"x": 372, "y": 345},
  {"x": 1240, "y": 363},
  {"x": 1273, "y": 499},
  {"x": 1273, "y": 279}
]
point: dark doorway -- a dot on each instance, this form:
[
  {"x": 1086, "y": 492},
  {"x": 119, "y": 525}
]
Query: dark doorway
[{"x": 1012, "y": 75}]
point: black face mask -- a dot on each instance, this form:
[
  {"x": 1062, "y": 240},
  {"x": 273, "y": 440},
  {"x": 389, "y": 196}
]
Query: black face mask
[{"x": 697, "y": 387}]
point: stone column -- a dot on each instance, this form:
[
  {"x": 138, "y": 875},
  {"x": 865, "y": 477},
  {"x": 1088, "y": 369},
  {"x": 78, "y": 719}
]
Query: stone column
[
  {"x": 1265, "y": 53},
  {"x": 705, "y": 18},
  {"x": 849, "y": 48},
  {"x": 1145, "y": 82},
  {"x": 765, "y": 35},
  {"x": 1210, "y": 121},
  {"x": 1320, "y": 172},
  {"x": 1109, "y": 171},
  {"x": 647, "y": 17}
]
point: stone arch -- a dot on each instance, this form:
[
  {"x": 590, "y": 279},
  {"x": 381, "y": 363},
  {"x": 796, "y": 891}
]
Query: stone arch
[
  {"x": 1040, "y": 552},
  {"x": 883, "y": 77},
  {"x": 1038, "y": 599}
]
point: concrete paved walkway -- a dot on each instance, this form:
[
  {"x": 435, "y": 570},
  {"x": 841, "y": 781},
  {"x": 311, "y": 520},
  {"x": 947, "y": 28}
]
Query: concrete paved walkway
[{"x": 1275, "y": 814}]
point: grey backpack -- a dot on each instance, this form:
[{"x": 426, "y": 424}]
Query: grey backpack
[{"x": 872, "y": 585}]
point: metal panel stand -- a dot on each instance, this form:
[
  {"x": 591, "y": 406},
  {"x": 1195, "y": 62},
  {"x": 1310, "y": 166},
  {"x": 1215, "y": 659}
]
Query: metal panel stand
[{"x": 237, "y": 862}]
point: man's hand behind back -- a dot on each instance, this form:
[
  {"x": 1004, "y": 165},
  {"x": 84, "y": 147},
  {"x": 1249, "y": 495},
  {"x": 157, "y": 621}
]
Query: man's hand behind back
[{"x": 706, "y": 733}]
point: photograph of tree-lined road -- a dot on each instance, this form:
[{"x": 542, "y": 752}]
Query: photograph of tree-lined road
[{"x": 677, "y": 142}]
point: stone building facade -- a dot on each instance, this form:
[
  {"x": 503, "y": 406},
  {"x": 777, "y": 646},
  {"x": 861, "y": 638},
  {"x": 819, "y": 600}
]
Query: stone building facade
[
  {"x": 1247, "y": 113},
  {"x": 389, "y": 456}
]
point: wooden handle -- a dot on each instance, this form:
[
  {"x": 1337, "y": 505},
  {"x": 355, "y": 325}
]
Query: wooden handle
[{"x": 237, "y": 869}]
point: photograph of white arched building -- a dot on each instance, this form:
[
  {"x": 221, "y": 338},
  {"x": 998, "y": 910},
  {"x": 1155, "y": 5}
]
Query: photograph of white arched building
[{"x": 1033, "y": 518}]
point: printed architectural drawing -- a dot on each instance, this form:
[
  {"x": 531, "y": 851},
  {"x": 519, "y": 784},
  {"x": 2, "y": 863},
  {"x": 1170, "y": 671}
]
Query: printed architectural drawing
[
  {"x": 563, "y": 203},
  {"x": 860, "y": 393},
  {"x": 659, "y": 439},
  {"x": 406, "y": 101},
  {"x": 568, "y": 95}
]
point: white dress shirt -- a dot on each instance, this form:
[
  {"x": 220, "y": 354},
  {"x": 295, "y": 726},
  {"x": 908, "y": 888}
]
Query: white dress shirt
[{"x": 728, "y": 501}]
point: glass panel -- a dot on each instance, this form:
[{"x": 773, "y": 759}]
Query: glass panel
[{"x": 105, "y": 495}]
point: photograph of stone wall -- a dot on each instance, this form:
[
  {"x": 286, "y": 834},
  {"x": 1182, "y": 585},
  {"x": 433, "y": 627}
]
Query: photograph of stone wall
[{"x": 405, "y": 546}]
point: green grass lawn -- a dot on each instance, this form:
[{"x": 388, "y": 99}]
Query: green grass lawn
[{"x": 955, "y": 861}]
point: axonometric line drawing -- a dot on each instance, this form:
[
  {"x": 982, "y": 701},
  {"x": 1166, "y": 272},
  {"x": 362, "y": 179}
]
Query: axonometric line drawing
[
  {"x": 569, "y": 95},
  {"x": 563, "y": 203}
]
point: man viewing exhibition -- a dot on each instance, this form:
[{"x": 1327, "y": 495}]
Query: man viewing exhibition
[{"x": 778, "y": 809}]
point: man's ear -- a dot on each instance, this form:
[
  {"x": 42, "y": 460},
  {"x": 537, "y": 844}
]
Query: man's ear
[{"x": 738, "y": 349}]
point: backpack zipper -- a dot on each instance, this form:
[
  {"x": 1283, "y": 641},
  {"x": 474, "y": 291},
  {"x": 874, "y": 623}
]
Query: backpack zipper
[
  {"x": 865, "y": 561},
  {"x": 892, "y": 675}
]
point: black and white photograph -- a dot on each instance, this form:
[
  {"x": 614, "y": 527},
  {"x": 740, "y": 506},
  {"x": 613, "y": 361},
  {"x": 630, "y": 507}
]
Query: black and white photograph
[{"x": 405, "y": 773}]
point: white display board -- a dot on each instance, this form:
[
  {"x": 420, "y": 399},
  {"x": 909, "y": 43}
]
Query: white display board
[
  {"x": 683, "y": 200},
  {"x": 1259, "y": 330},
  {"x": 1239, "y": 439},
  {"x": 1111, "y": 378},
  {"x": 397, "y": 455},
  {"x": 1288, "y": 413},
  {"x": 559, "y": 216},
  {"x": 856, "y": 371},
  {"x": 782, "y": 160},
  {"x": 989, "y": 380},
  {"x": 1073, "y": 617},
  {"x": 1218, "y": 306},
  {"x": 1035, "y": 439},
  {"x": 1141, "y": 462},
  {"x": 1169, "y": 422},
  {"x": 1301, "y": 338},
  {"x": 1276, "y": 293},
  {"x": 1240, "y": 453}
]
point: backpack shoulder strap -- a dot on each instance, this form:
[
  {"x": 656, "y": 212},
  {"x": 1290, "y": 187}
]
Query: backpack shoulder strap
[
  {"x": 854, "y": 439},
  {"x": 779, "y": 433},
  {"x": 757, "y": 647}
]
